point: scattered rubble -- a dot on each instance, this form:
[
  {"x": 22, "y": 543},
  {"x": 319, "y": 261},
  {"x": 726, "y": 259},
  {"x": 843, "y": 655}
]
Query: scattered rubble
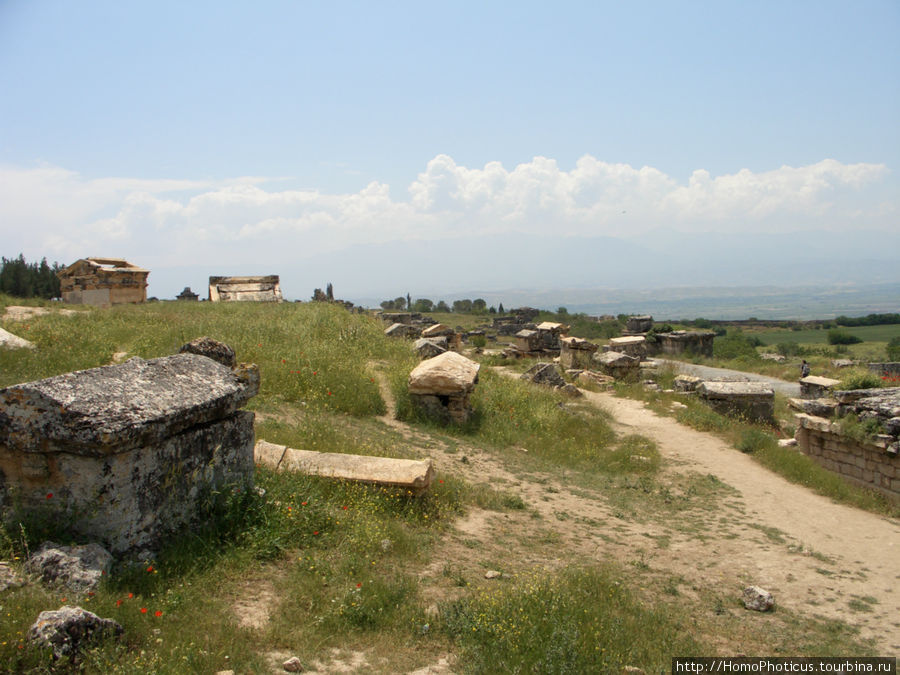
[
  {"x": 78, "y": 568},
  {"x": 68, "y": 630}
]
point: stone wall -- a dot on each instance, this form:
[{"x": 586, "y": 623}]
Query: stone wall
[
  {"x": 870, "y": 464},
  {"x": 124, "y": 454},
  {"x": 103, "y": 282}
]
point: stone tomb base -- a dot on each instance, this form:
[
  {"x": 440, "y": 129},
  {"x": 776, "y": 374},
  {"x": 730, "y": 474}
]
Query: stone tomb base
[
  {"x": 125, "y": 454},
  {"x": 752, "y": 400}
]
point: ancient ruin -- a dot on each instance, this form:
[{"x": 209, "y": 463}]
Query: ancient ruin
[
  {"x": 872, "y": 459},
  {"x": 245, "y": 289},
  {"x": 187, "y": 294},
  {"x": 751, "y": 400},
  {"x": 576, "y": 352},
  {"x": 617, "y": 365},
  {"x": 638, "y": 325},
  {"x": 413, "y": 475},
  {"x": 103, "y": 282},
  {"x": 125, "y": 453},
  {"x": 813, "y": 386},
  {"x": 698, "y": 342},
  {"x": 440, "y": 387},
  {"x": 633, "y": 345}
]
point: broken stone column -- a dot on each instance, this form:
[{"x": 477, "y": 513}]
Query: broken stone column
[
  {"x": 125, "y": 452},
  {"x": 441, "y": 386},
  {"x": 753, "y": 400},
  {"x": 576, "y": 352}
]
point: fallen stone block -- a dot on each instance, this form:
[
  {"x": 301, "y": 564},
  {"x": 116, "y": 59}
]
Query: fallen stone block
[
  {"x": 820, "y": 407},
  {"x": 544, "y": 373},
  {"x": 11, "y": 341},
  {"x": 68, "y": 630},
  {"x": 78, "y": 568},
  {"x": 410, "y": 474},
  {"x": 619, "y": 366},
  {"x": 401, "y": 330},
  {"x": 758, "y": 599},
  {"x": 211, "y": 349},
  {"x": 428, "y": 348},
  {"x": 441, "y": 386},
  {"x": 437, "y": 330},
  {"x": 686, "y": 383}
]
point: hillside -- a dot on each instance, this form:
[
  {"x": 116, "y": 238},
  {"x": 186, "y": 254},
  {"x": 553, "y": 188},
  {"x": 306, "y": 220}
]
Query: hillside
[{"x": 621, "y": 537}]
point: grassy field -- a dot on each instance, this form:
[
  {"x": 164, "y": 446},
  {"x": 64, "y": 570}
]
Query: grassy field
[
  {"x": 333, "y": 572},
  {"x": 820, "y": 337}
]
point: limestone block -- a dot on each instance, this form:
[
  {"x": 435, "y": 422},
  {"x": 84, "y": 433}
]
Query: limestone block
[
  {"x": 10, "y": 341},
  {"x": 686, "y": 382},
  {"x": 413, "y": 475},
  {"x": 437, "y": 330},
  {"x": 813, "y": 386},
  {"x": 78, "y": 568},
  {"x": 576, "y": 352},
  {"x": 212, "y": 349},
  {"x": 754, "y": 400},
  {"x": 758, "y": 599},
  {"x": 544, "y": 373},
  {"x": 428, "y": 348},
  {"x": 449, "y": 373},
  {"x": 401, "y": 330},
  {"x": 68, "y": 630}
]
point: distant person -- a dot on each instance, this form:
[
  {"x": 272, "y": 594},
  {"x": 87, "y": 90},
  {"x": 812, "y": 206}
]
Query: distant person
[{"x": 804, "y": 368}]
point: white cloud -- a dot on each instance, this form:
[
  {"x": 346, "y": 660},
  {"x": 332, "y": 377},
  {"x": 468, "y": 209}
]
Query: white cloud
[{"x": 55, "y": 212}]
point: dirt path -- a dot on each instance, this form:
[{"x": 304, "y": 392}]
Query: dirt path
[
  {"x": 819, "y": 559},
  {"x": 847, "y": 553}
]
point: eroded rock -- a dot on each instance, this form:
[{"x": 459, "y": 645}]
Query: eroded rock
[
  {"x": 68, "y": 630},
  {"x": 78, "y": 568},
  {"x": 758, "y": 599}
]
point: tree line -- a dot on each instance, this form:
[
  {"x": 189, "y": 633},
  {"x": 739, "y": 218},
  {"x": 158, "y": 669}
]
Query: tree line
[
  {"x": 29, "y": 280},
  {"x": 466, "y": 306}
]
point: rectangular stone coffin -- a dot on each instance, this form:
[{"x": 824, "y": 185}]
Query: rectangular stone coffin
[
  {"x": 753, "y": 400},
  {"x": 125, "y": 452},
  {"x": 576, "y": 353},
  {"x": 410, "y": 474},
  {"x": 813, "y": 386}
]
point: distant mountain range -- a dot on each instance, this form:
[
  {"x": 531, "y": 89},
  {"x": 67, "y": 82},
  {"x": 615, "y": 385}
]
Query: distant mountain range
[{"x": 799, "y": 275}]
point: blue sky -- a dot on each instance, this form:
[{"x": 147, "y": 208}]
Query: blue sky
[{"x": 227, "y": 133}]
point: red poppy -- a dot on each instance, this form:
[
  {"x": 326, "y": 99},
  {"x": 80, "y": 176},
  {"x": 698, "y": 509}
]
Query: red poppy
[
  {"x": 344, "y": 508},
  {"x": 303, "y": 504},
  {"x": 283, "y": 361},
  {"x": 359, "y": 585},
  {"x": 158, "y": 612},
  {"x": 49, "y": 495},
  {"x": 316, "y": 532},
  {"x": 150, "y": 569},
  {"x": 143, "y": 610},
  {"x": 118, "y": 603},
  {"x": 130, "y": 595}
]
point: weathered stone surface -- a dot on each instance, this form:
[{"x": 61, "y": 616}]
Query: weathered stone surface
[
  {"x": 447, "y": 374},
  {"x": 10, "y": 341},
  {"x": 68, "y": 630},
  {"x": 686, "y": 382},
  {"x": 686, "y": 342},
  {"x": 211, "y": 349},
  {"x": 576, "y": 352},
  {"x": 8, "y": 577},
  {"x": 544, "y": 373},
  {"x": 842, "y": 363},
  {"x": 591, "y": 377},
  {"x": 78, "y": 568},
  {"x": 120, "y": 407},
  {"x": 103, "y": 282},
  {"x": 401, "y": 330},
  {"x": 413, "y": 475},
  {"x": 619, "y": 366},
  {"x": 813, "y": 386},
  {"x": 123, "y": 453},
  {"x": 768, "y": 356},
  {"x": 292, "y": 665},
  {"x": 753, "y": 400},
  {"x": 428, "y": 348},
  {"x": 550, "y": 332},
  {"x": 527, "y": 340},
  {"x": 639, "y": 324},
  {"x": 571, "y": 390},
  {"x": 758, "y": 599},
  {"x": 437, "y": 330},
  {"x": 245, "y": 289},
  {"x": 633, "y": 345},
  {"x": 821, "y": 407}
]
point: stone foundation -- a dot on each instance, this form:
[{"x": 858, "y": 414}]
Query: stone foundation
[{"x": 871, "y": 464}]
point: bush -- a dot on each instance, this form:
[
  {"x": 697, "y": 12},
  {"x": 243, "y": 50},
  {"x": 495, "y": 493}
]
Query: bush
[
  {"x": 733, "y": 345},
  {"x": 752, "y": 440},
  {"x": 860, "y": 379},
  {"x": 789, "y": 348},
  {"x": 893, "y": 348},
  {"x": 836, "y": 336}
]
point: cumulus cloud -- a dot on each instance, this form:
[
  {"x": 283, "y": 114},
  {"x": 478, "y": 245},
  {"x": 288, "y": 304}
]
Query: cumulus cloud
[{"x": 56, "y": 212}]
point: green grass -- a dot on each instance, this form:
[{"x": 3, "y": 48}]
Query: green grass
[
  {"x": 574, "y": 621},
  {"x": 881, "y": 333}
]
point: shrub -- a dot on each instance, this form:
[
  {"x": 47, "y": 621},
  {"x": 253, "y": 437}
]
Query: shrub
[
  {"x": 753, "y": 439},
  {"x": 789, "y": 348},
  {"x": 733, "y": 345},
  {"x": 836, "y": 336},
  {"x": 893, "y": 348},
  {"x": 860, "y": 379}
]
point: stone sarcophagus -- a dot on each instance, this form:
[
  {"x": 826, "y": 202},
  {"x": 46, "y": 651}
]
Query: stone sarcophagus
[
  {"x": 126, "y": 453},
  {"x": 576, "y": 353},
  {"x": 245, "y": 289}
]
